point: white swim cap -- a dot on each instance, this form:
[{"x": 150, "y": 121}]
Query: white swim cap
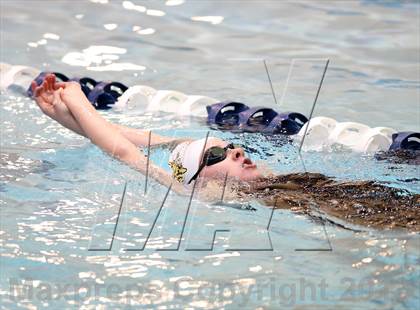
[{"x": 185, "y": 159}]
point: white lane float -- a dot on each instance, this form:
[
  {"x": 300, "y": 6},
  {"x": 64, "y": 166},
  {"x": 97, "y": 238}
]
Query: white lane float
[
  {"x": 20, "y": 76},
  {"x": 137, "y": 96},
  {"x": 324, "y": 133},
  {"x": 170, "y": 101}
]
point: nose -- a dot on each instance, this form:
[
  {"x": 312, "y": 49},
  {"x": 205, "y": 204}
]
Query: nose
[{"x": 236, "y": 153}]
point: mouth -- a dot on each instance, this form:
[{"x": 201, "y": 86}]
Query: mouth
[{"x": 247, "y": 164}]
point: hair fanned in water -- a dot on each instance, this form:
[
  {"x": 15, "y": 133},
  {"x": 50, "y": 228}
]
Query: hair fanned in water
[{"x": 365, "y": 203}]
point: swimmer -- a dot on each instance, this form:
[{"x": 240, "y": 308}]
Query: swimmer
[
  {"x": 350, "y": 201},
  {"x": 66, "y": 103}
]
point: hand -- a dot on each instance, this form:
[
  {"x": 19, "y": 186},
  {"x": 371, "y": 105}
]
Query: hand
[{"x": 48, "y": 98}]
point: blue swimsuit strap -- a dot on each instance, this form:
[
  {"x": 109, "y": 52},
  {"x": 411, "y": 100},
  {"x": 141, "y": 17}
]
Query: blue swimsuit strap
[
  {"x": 267, "y": 114},
  {"x": 400, "y": 140},
  {"x": 40, "y": 79},
  {"x": 103, "y": 96},
  {"x": 215, "y": 114}
]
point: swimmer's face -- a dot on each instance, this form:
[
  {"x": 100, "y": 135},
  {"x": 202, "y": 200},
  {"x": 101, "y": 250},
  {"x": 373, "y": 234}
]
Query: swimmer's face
[{"x": 235, "y": 164}]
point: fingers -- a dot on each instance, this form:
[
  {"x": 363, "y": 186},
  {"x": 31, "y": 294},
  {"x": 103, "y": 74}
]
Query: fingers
[
  {"x": 58, "y": 85},
  {"x": 36, "y": 89},
  {"x": 49, "y": 84},
  {"x": 61, "y": 93},
  {"x": 44, "y": 86},
  {"x": 52, "y": 82},
  {"x": 33, "y": 87},
  {"x": 50, "y": 79}
]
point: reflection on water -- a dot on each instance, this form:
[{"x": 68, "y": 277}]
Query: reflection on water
[
  {"x": 57, "y": 189},
  {"x": 210, "y": 19},
  {"x": 100, "y": 58}
]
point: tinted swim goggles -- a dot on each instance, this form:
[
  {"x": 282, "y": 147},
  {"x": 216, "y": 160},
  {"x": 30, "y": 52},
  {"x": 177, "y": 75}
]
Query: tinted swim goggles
[{"x": 212, "y": 156}]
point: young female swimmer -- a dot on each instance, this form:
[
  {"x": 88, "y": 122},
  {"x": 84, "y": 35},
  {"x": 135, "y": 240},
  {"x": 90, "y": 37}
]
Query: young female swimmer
[{"x": 66, "y": 103}]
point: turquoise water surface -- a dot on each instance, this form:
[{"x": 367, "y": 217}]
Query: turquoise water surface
[{"x": 61, "y": 196}]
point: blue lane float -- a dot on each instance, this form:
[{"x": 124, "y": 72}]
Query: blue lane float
[
  {"x": 256, "y": 119},
  {"x": 87, "y": 84},
  {"x": 225, "y": 115},
  {"x": 406, "y": 140},
  {"x": 104, "y": 95},
  {"x": 238, "y": 116}
]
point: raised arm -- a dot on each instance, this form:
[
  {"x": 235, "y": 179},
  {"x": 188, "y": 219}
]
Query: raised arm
[
  {"x": 48, "y": 98},
  {"x": 92, "y": 125}
]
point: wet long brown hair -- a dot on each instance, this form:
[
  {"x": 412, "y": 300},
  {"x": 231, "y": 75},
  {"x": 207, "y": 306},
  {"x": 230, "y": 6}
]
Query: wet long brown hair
[{"x": 365, "y": 203}]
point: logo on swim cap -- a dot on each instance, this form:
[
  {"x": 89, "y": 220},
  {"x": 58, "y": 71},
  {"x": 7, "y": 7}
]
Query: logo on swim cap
[
  {"x": 185, "y": 159},
  {"x": 178, "y": 170}
]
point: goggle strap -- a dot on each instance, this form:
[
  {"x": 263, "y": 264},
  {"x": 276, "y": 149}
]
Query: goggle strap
[{"x": 197, "y": 173}]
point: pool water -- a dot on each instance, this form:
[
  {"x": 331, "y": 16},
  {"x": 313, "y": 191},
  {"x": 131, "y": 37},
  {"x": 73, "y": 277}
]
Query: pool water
[{"x": 67, "y": 240}]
